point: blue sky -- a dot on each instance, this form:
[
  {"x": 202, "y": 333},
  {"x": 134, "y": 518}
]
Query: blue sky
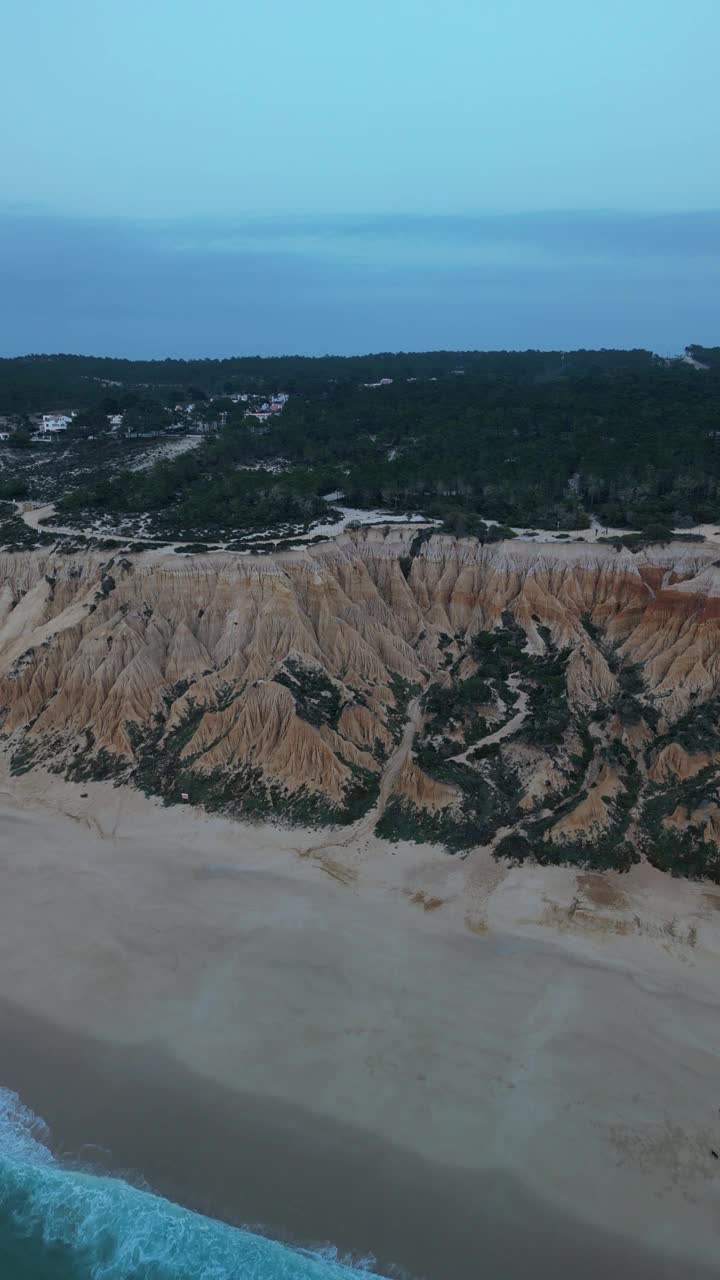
[{"x": 310, "y": 176}]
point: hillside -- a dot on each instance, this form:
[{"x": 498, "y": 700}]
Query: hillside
[
  {"x": 28, "y": 382},
  {"x": 558, "y": 701}
]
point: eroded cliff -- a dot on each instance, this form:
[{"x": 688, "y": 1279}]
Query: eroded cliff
[{"x": 570, "y": 694}]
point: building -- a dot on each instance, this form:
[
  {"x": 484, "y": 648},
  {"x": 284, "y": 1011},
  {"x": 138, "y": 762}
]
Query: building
[
  {"x": 52, "y": 422},
  {"x": 115, "y": 420}
]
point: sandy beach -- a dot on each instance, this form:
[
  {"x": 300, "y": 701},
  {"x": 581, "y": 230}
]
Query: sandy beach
[{"x": 458, "y": 1067}]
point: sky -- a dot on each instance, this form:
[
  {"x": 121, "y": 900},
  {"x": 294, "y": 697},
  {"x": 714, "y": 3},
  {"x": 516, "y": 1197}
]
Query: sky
[{"x": 223, "y": 177}]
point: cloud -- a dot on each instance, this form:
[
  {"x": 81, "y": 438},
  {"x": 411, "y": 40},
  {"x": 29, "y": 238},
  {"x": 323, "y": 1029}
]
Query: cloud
[
  {"x": 588, "y": 236},
  {"x": 229, "y": 286}
]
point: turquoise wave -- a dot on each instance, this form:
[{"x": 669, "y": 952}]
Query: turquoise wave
[{"x": 58, "y": 1223}]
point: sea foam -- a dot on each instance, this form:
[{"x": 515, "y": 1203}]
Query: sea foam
[{"x": 115, "y": 1231}]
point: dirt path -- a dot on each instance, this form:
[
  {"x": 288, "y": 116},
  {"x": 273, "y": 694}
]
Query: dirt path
[
  {"x": 505, "y": 730},
  {"x": 365, "y": 826},
  {"x": 33, "y": 518}
]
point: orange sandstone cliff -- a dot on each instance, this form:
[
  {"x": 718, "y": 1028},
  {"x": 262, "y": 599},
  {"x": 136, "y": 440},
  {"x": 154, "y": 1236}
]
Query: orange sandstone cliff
[{"x": 566, "y": 697}]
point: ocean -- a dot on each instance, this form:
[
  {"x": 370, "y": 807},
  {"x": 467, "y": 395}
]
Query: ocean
[{"x": 61, "y": 1222}]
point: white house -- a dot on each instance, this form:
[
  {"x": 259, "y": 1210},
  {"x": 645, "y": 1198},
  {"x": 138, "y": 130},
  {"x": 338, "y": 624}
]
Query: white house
[{"x": 56, "y": 421}]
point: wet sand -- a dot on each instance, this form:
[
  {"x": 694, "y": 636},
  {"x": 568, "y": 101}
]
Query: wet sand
[
  {"x": 300, "y": 1177},
  {"x": 266, "y": 1043}
]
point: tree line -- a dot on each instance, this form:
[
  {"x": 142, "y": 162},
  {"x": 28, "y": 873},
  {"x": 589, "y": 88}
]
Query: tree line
[{"x": 528, "y": 439}]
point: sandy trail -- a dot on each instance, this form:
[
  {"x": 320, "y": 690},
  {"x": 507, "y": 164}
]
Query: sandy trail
[
  {"x": 34, "y": 516},
  {"x": 365, "y": 827},
  {"x": 505, "y": 731},
  {"x": 32, "y": 519},
  {"x": 392, "y": 768}
]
